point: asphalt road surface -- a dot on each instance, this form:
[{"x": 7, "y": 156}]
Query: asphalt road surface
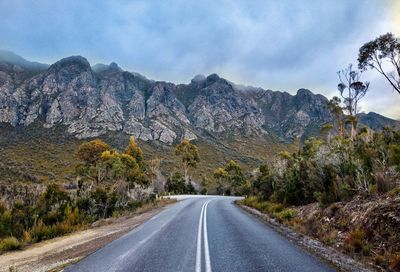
[{"x": 201, "y": 234}]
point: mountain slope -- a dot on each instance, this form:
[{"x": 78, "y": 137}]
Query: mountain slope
[
  {"x": 91, "y": 102},
  {"x": 72, "y": 98}
]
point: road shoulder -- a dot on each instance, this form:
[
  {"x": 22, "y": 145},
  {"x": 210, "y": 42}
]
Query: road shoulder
[{"x": 328, "y": 254}]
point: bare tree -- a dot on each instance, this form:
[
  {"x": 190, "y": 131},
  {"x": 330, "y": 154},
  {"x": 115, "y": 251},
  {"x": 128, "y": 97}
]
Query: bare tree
[{"x": 352, "y": 90}]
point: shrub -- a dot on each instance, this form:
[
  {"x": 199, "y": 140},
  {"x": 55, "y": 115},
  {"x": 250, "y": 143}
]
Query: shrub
[
  {"x": 343, "y": 224},
  {"x": 27, "y": 238},
  {"x": 41, "y": 232},
  {"x": 10, "y": 243},
  {"x": 134, "y": 204},
  {"x": 395, "y": 191},
  {"x": 395, "y": 262},
  {"x": 285, "y": 215},
  {"x": 327, "y": 240},
  {"x": 379, "y": 260},
  {"x": 176, "y": 184},
  {"x": 366, "y": 249},
  {"x": 373, "y": 189},
  {"x": 274, "y": 207},
  {"x": 275, "y": 210},
  {"x": 355, "y": 241}
]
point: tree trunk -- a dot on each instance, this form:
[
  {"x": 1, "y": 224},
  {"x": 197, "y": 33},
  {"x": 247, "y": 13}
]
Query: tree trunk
[
  {"x": 185, "y": 169},
  {"x": 353, "y": 129}
]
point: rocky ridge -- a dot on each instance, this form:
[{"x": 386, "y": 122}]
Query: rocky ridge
[{"x": 90, "y": 101}]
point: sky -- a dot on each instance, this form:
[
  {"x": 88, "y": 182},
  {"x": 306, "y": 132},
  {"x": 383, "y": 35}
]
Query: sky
[{"x": 280, "y": 45}]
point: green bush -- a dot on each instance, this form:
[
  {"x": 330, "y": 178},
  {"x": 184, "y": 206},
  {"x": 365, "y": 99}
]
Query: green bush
[
  {"x": 332, "y": 171},
  {"x": 175, "y": 184},
  {"x": 40, "y": 232},
  {"x": 275, "y": 210},
  {"x": 285, "y": 215},
  {"x": 9, "y": 243}
]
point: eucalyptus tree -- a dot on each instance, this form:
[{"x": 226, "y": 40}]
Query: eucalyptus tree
[
  {"x": 382, "y": 55},
  {"x": 189, "y": 156},
  {"x": 352, "y": 90}
]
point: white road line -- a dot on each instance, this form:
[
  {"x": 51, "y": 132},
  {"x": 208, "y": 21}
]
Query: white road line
[
  {"x": 198, "y": 252},
  {"x": 206, "y": 249}
]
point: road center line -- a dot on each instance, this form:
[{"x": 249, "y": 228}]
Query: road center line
[
  {"x": 198, "y": 252},
  {"x": 206, "y": 249}
]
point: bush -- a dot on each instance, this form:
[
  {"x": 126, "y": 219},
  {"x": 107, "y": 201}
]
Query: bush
[
  {"x": 395, "y": 262},
  {"x": 175, "y": 184},
  {"x": 355, "y": 242},
  {"x": 394, "y": 192},
  {"x": 285, "y": 215},
  {"x": 9, "y": 243},
  {"x": 134, "y": 204},
  {"x": 275, "y": 210},
  {"x": 41, "y": 232},
  {"x": 379, "y": 260}
]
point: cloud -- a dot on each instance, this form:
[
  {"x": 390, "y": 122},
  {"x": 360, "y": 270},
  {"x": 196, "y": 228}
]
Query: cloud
[{"x": 281, "y": 45}]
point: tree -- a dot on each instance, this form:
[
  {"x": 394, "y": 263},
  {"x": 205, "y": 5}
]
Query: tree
[
  {"x": 326, "y": 130},
  {"x": 352, "y": 90},
  {"x": 263, "y": 183},
  {"x": 189, "y": 155},
  {"x": 229, "y": 179},
  {"x": 372, "y": 54},
  {"x": 222, "y": 177},
  {"x": 123, "y": 167},
  {"x": 337, "y": 111},
  {"x": 175, "y": 184},
  {"x": 155, "y": 175},
  {"x": 90, "y": 155},
  {"x": 235, "y": 175},
  {"x": 136, "y": 152},
  {"x": 90, "y": 152}
]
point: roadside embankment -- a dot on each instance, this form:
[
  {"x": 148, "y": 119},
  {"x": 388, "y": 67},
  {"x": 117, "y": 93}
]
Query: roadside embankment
[{"x": 359, "y": 235}]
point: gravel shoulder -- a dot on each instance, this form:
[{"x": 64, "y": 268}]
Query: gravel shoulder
[
  {"x": 338, "y": 259},
  {"x": 54, "y": 254}
]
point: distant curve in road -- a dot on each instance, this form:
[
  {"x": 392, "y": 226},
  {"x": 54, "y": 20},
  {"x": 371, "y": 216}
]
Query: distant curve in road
[{"x": 201, "y": 234}]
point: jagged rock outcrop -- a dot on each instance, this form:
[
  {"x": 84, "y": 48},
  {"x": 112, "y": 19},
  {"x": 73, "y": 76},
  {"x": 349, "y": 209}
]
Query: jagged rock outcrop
[
  {"x": 219, "y": 108},
  {"x": 90, "y": 101}
]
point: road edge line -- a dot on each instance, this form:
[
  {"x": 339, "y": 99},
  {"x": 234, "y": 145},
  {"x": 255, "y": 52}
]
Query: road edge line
[
  {"x": 206, "y": 248},
  {"x": 198, "y": 248}
]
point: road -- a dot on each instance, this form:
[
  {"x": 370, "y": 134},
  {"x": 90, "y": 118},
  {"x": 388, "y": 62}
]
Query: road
[{"x": 201, "y": 234}]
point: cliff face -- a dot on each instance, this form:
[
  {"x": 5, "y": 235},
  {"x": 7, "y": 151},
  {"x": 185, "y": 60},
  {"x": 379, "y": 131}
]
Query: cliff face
[{"x": 93, "y": 100}]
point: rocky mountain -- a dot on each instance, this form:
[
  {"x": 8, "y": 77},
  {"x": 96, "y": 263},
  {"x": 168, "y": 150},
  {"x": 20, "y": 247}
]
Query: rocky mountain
[{"x": 90, "y": 101}]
